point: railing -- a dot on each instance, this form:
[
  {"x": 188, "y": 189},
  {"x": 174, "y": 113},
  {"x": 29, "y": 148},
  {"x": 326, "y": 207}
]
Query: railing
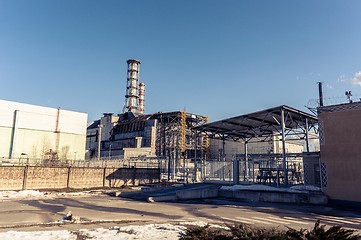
[{"x": 256, "y": 171}]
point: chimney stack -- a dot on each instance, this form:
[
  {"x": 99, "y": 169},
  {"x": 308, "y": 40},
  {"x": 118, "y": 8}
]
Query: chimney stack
[{"x": 132, "y": 95}]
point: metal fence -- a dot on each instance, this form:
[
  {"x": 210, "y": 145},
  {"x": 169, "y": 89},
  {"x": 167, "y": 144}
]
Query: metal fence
[
  {"x": 257, "y": 171},
  {"x": 177, "y": 172},
  {"x": 218, "y": 170},
  {"x": 254, "y": 170}
]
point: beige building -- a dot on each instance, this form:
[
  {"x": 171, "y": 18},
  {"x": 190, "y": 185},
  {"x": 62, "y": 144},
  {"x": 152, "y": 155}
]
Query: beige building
[
  {"x": 233, "y": 148},
  {"x": 340, "y": 132},
  {"x": 36, "y": 132}
]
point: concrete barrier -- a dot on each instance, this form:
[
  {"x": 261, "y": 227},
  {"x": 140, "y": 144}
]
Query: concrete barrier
[
  {"x": 197, "y": 194},
  {"x": 279, "y": 196},
  {"x": 316, "y": 198}
]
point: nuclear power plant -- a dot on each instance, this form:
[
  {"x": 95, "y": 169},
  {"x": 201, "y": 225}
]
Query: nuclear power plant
[{"x": 133, "y": 134}]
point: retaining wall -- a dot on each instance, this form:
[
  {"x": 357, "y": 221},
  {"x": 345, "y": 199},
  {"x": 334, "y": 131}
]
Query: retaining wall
[
  {"x": 32, "y": 177},
  {"x": 317, "y": 198}
]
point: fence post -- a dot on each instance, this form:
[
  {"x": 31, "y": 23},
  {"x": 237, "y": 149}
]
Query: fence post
[
  {"x": 68, "y": 178},
  {"x": 104, "y": 172},
  {"x": 134, "y": 176},
  {"x": 25, "y": 176}
]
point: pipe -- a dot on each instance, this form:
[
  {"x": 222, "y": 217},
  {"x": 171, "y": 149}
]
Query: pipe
[{"x": 320, "y": 93}]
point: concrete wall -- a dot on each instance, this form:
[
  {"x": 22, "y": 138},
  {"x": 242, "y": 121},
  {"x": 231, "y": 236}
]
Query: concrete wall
[
  {"x": 132, "y": 176},
  {"x": 11, "y": 178},
  {"x": 31, "y": 177},
  {"x": 340, "y": 132}
]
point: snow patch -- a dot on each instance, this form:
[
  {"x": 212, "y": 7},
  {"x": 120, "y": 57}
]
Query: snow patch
[
  {"x": 150, "y": 231},
  {"x": 38, "y": 235},
  {"x": 306, "y": 188},
  {"x": 35, "y": 194},
  {"x": 20, "y": 194}
]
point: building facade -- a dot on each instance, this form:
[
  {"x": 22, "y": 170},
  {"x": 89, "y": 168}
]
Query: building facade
[
  {"x": 340, "y": 130},
  {"x": 36, "y": 132},
  {"x": 132, "y": 135}
]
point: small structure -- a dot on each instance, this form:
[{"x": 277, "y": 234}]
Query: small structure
[
  {"x": 275, "y": 126},
  {"x": 340, "y": 130}
]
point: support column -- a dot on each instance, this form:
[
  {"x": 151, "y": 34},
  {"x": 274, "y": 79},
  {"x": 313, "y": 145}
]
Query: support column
[
  {"x": 246, "y": 172},
  {"x": 223, "y": 158},
  {"x": 195, "y": 156},
  {"x": 201, "y": 156},
  {"x": 236, "y": 172},
  {"x": 307, "y": 141},
  {"x": 284, "y": 162},
  {"x": 174, "y": 153}
]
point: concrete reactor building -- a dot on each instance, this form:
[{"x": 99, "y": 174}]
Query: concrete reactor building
[
  {"x": 35, "y": 132},
  {"x": 134, "y": 134}
]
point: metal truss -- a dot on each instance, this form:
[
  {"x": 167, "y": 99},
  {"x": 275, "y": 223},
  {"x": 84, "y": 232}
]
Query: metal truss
[
  {"x": 175, "y": 139},
  {"x": 262, "y": 126}
]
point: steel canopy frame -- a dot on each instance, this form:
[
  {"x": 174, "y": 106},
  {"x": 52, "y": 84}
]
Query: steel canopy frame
[{"x": 263, "y": 126}]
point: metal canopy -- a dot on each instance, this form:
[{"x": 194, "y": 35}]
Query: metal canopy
[{"x": 262, "y": 125}]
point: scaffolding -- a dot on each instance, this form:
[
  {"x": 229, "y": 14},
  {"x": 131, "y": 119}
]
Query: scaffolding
[{"x": 177, "y": 143}]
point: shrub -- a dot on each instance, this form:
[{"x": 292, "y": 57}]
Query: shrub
[
  {"x": 250, "y": 233},
  {"x": 246, "y": 232},
  {"x": 319, "y": 232},
  {"x": 205, "y": 233}
]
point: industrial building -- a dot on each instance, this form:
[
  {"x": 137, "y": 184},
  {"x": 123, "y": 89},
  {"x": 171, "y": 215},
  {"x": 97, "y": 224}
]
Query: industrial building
[
  {"x": 340, "y": 131},
  {"x": 133, "y": 134},
  {"x": 186, "y": 140},
  {"x": 36, "y": 133}
]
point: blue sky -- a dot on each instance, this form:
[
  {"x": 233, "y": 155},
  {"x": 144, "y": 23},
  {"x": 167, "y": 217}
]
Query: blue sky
[{"x": 216, "y": 58}]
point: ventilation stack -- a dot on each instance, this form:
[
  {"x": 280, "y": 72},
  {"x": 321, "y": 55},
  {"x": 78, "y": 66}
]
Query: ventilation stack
[
  {"x": 141, "y": 97},
  {"x": 131, "y": 97},
  {"x": 320, "y": 94}
]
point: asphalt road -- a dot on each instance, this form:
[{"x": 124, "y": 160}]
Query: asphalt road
[{"x": 107, "y": 211}]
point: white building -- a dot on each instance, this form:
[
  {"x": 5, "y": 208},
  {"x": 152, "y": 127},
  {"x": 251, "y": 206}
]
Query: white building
[{"x": 39, "y": 132}]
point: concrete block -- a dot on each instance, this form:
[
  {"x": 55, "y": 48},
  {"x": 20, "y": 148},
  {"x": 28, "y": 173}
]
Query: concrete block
[
  {"x": 280, "y": 197},
  {"x": 197, "y": 194},
  {"x": 225, "y": 193},
  {"x": 248, "y": 195},
  {"x": 318, "y": 199}
]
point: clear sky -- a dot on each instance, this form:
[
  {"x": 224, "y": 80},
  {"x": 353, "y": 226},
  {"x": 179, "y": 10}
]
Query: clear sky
[{"x": 216, "y": 58}]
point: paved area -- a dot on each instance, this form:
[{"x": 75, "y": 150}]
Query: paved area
[{"x": 107, "y": 211}]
